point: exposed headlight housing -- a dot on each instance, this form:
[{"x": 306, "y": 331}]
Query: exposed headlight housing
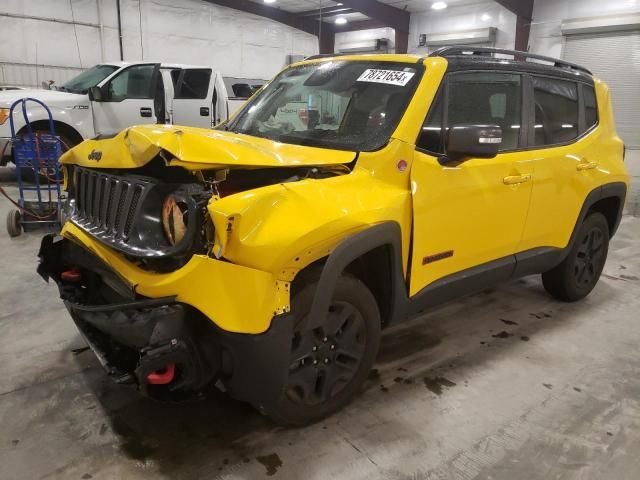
[
  {"x": 175, "y": 219},
  {"x": 4, "y": 115}
]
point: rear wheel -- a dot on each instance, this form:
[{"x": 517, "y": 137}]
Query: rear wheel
[
  {"x": 14, "y": 228},
  {"x": 576, "y": 276},
  {"x": 329, "y": 363}
]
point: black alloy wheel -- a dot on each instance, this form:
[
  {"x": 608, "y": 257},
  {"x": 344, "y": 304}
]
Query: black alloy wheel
[
  {"x": 327, "y": 358},
  {"x": 578, "y": 273},
  {"x": 328, "y": 362},
  {"x": 589, "y": 257}
]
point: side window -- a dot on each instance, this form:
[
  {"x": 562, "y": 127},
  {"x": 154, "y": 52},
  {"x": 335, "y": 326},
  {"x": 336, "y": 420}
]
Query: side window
[
  {"x": 175, "y": 77},
  {"x": 477, "y": 98},
  {"x": 556, "y": 111},
  {"x": 194, "y": 83},
  {"x": 590, "y": 106},
  {"x": 480, "y": 98},
  {"x": 134, "y": 82},
  {"x": 242, "y": 90}
]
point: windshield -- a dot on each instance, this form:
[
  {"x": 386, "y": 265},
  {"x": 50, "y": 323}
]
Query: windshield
[
  {"x": 88, "y": 78},
  {"x": 345, "y": 105}
]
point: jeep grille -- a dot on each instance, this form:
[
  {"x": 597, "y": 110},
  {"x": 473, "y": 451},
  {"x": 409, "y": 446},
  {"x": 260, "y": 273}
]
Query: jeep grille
[{"x": 106, "y": 205}]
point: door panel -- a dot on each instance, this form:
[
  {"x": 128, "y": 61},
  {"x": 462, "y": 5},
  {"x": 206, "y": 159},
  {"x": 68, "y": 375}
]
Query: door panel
[
  {"x": 472, "y": 211},
  {"x": 465, "y": 214},
  {"x": 566, "y": 168},
  {"x": 192, "y": 103},
  {"x": 129, "y": 100}
]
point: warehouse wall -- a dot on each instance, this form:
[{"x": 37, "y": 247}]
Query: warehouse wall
[
  {"x": 346, "y": 39},
  {"x": 466, "y": 17},
  {"x": 546, "y": 38},
  {"x": 66, "y": 36}
]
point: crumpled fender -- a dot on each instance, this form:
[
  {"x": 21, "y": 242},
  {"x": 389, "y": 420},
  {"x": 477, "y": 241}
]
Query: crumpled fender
[{"x": 283, "y": 228}]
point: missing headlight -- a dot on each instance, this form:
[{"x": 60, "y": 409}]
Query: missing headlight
[{"x": 175, "y": 219}]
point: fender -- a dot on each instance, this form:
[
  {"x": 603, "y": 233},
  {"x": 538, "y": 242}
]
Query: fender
[
  {"x": 81, "y": 121},
  {"x": 615, "y": 190},
  {"x": 384, "y": 234}
]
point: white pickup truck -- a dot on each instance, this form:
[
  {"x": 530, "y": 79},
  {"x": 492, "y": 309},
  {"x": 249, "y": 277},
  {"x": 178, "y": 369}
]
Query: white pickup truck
[{"x": 112, "y": 96}]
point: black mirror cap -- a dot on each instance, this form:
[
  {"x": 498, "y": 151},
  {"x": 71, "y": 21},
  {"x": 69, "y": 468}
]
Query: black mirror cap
[{"x": 473, "y": 141}]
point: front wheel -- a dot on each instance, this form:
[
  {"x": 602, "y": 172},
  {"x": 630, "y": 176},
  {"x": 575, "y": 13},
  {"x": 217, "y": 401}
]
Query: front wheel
[
  {"x": 329, "y": 363},
  {"x": 576, "y": 276}
]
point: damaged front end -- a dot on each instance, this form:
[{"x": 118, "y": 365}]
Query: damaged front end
[
  {"x": 167, "y": 348},
  {"x": 137, "y": 268},
  {"x": 156, "y": 343}
]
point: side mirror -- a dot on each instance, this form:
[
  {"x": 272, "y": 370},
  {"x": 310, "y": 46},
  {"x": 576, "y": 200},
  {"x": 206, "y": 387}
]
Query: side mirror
[
  {"x": 96, "y": 94},
  {"x": 475, "y": 141}
]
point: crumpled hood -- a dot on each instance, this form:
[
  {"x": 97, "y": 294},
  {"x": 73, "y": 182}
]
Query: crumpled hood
[{"x": 197, "y": 149}]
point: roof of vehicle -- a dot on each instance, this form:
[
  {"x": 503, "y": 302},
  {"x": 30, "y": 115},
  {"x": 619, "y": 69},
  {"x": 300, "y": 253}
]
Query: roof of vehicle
[
  {"x": 372, "y": 57},
  {"x": 461, "y": 58}
]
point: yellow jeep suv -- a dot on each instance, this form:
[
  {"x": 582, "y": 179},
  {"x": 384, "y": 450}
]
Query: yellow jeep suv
[{"x": 351, "y": 192}]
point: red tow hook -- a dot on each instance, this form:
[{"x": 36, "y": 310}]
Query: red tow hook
[
  {"x": 72, "y": 275},
  {"x": 162, "y": 377}
]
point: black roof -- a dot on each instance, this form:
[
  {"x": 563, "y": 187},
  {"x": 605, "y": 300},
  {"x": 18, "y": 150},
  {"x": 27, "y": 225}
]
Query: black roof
[{"x": 462, "y": 58}]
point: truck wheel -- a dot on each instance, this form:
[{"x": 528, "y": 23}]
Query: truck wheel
[
  {"x": 329, "y": 363},
  {"x": 576, "y": 276},
  {"x": 14, "y": 228}
]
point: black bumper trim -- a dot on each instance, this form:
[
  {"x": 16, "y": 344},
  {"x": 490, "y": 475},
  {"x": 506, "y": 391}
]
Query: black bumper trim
[{"x": 144, "y": 303}]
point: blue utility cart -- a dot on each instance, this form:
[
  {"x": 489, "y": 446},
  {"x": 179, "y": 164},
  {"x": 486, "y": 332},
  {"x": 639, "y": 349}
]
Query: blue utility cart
[{"x": 36, "y": 153}]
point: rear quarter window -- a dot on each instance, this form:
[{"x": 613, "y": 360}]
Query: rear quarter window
[
  {"x": 590, "y": 106},
  {"x": 193, "y": 83}
]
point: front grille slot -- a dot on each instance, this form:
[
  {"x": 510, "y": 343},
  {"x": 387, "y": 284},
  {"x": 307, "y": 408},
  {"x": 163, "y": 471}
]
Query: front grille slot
[{"x": 107, "y": 205}]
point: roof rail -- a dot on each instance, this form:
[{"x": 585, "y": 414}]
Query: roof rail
[{"x": 488, "y": 51}]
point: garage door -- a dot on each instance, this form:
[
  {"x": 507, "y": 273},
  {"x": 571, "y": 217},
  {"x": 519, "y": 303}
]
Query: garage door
[{"x": 614, "y": 57}]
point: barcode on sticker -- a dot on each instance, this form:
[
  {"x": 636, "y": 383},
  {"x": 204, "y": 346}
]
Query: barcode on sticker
[{"x": 390, "y": 77}]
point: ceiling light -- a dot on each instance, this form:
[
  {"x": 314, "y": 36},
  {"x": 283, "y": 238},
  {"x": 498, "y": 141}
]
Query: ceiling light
[
  {"x": 341, "y": 21},
  {"x": 269, "y": 1},
  {"x": 485, "y": 17},
  {"x": 438, "y": 5}
]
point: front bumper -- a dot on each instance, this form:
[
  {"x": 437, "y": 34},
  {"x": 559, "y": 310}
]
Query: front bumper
[
  {"x": 135, "y": 337},
  {"x": 216, "y": 288}
]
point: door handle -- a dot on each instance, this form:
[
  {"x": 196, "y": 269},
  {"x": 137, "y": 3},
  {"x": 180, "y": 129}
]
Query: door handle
[
  {"x": 515, "y": 179},
  {"x": 204, "y": 111},
  {"x": 586, "y": 166},
  {"x": 145, "y": 112}
]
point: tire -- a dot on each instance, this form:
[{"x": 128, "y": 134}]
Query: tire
[
  {"x": 343, "y": 348},
  {"x": 575, "y": 277},
  {"x": 13, "y": 223}
]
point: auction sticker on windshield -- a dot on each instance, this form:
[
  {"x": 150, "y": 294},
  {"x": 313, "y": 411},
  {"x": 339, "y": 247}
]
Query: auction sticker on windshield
[{"x": 390, "y": 77}]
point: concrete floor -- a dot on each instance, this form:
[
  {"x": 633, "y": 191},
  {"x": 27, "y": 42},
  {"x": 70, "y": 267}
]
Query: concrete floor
[{"x": 507, "y": 384}]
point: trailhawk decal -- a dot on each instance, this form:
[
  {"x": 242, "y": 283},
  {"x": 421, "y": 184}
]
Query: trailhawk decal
[{"x": 390, "y": 77}]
